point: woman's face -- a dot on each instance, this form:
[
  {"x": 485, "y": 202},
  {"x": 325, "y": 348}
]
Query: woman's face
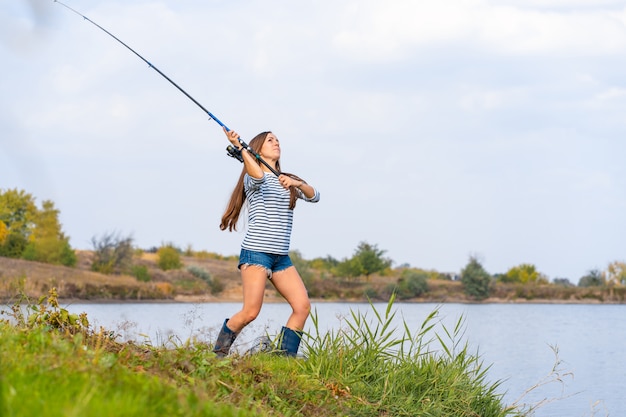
[{"x": 271, "y": 148}]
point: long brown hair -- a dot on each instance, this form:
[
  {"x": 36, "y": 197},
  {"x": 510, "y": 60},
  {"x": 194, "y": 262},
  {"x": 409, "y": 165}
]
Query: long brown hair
[{"x": 238, "y": 197}]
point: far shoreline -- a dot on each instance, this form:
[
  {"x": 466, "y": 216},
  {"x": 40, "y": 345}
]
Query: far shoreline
[{"x": 277, "y": 300}]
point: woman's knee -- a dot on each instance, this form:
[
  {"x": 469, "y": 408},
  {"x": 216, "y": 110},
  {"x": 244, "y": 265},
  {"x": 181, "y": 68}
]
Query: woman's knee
[
  {"x": 250, "y": 314},
  {"x": 302, "y": 308}
]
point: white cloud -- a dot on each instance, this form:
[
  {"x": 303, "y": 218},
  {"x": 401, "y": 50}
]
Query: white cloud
[
  {"x": 476, "y": 100},
  {"x": 613, "y": 93},
  {"x": 391, "y": 30}
]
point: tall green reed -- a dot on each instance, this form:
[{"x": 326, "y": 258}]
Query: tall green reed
[{"x": 401, "y": 371}]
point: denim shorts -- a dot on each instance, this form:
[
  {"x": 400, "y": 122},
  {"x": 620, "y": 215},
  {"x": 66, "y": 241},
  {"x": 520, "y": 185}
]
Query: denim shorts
[{"x": 271, "y": 262}]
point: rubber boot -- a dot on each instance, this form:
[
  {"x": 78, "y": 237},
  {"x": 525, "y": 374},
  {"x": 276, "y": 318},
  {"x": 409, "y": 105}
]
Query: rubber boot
[
  {"x": 224, "y": 341},
  {"x": 289, "y": 341}
]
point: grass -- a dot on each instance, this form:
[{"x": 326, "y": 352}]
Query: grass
[
  {"x": 404, "y": 376},
  {"x": 54, "y": 363}
]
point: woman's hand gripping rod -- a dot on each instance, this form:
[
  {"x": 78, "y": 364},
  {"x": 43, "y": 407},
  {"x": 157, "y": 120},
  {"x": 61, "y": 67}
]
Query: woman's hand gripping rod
[{"x": 235, "y": 153}]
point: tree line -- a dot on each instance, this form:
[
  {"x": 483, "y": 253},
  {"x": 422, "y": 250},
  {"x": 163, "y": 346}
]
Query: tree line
[{"x": 32, "y": 232}]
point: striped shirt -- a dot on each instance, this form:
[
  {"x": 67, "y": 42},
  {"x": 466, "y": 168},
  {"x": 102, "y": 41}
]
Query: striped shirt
[{"x": 269, "y": 216}]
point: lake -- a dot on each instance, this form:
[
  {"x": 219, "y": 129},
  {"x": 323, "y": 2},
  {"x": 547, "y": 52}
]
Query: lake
[{"x": 518, "y": 341}]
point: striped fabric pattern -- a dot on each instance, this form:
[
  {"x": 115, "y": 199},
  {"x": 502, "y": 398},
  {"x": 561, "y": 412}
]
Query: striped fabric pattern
[{"x": 269, "y": 217}]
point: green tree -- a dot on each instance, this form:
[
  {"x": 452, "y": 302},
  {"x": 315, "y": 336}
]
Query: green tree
[
  {"x": 32, "y": 233},
  {"x": 476, "y": 281},
  {"x": 17, "y": 209},
  {"x": 367, "y": 260},
  {"x": 47, "y": 242},
  {"x": 113, "y": 254},
  {"x": 348, "y": 268},
  {"x": 371, "y": 258}
]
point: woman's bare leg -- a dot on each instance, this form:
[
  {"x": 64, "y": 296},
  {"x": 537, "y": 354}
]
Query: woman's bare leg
[
  {"x": 253, "y": 279},
  {"x": 289, "y": 284}
]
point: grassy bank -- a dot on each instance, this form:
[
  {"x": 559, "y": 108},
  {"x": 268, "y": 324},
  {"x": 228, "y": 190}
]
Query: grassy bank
[{"x": 54, "y": 364}]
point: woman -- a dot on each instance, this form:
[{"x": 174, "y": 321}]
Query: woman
[{"x": 265, "y": 248}]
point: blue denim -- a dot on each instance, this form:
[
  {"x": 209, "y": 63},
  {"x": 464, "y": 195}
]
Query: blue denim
[{"x": 271, "y": 262}]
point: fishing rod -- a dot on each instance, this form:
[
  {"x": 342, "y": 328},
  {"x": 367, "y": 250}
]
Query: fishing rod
[{"x": 232, "y": 151}]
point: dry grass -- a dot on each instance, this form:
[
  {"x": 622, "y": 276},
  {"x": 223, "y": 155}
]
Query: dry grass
[{"x": 34, "y": 279}]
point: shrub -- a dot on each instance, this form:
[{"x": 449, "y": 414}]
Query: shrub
[
  {"x": 411, "y": 284},
  {"x": 168, "y": 258},
  {"x": 216, "y": 285},
  {"x": 199, "y": 272},
  {"x": 113, "y": 254},
  {"x": 141, "y": 273}
]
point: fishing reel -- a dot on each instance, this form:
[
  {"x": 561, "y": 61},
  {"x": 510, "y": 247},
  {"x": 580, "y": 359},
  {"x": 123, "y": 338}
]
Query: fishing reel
[{"x": 235, "y": 153}]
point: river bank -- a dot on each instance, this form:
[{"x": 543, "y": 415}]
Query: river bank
[{"x": 80, "y": 284}]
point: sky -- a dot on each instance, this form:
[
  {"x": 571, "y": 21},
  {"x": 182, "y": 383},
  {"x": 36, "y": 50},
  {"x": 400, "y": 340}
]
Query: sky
[{"x": 437, "y": 130}]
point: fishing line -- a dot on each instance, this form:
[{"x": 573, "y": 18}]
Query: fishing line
[{"x": 232, "y": 151}]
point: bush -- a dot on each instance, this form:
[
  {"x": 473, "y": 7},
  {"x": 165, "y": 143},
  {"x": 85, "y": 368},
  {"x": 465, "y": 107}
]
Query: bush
[
  {"x": 169, "y": 258},
  {"x": 216, "y": 285},
  {"x": 113, "y": 254},
  {"x": 201, "y": 273},
  {"x": 411, "y": 284},
  {"x": 141, "y": 273}
]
